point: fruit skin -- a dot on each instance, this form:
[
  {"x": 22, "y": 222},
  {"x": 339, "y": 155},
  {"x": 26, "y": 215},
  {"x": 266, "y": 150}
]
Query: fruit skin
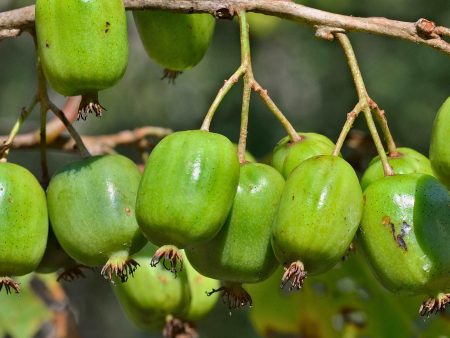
[
  {"x": 405, "y": 233},
  {"x": 287, "y": 155},
  {"x": 91, "y": 206},
  {"x": 439, "y": 145},
  {"x": 241, "y": 251},
  {"x": 200, "y": 304},
  {"x": 405, "y": 162},
  {"x": 82, "y": 45},
  {"x": 187, "y": 188},
  {"x": 23, "y": 220},
  {"x": 175, "y": 41},
  {"x": 319, "y": 213},
  {"x": 152, "y": 293}
]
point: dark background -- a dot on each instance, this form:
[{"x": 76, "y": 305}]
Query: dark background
[{"x": 308, "y": 78}]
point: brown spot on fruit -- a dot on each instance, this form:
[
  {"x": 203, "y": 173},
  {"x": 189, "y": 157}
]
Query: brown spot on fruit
[
  {"x": 107, "y": 25},
  {"x": 47, "y": 44},
  {"x": 128, "y": 211},
  {"x": 162, "y": 279}
]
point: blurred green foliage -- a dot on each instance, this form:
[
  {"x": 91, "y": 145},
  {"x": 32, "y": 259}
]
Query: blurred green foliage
[{"x": 308, "y": 79}]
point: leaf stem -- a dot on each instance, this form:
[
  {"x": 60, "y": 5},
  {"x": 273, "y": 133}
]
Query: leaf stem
[{"x": 364, "y": 99}]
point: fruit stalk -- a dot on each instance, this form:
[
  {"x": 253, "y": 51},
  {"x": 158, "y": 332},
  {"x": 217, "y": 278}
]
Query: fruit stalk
[
  {"x": 42, "y": 92},
  {"x": 351, "y": 117},
  {"x": 4, "y": 148},
  {"x": 364, "y": 99},
  {"x": 246, "y": 93},
  {"x": 382, "y": 121}
]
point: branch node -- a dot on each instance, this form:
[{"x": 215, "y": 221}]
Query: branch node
[
  {"x": 327, "y": 32},
  {"x": 426, "y": 29},
  {"x": 224, "y": 13}
]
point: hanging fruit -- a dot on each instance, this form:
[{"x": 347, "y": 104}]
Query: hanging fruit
[
  {"x": 440, "y": 144},
  {"x": 287, "y": 155},
  {"x": 241, "y": 252},
  {"x": 405, "y": 233},
  {"x": 23, "y": 224},
  {"x": 186, "y": 192},
  {"x": 175, "y": 41},
  {"x": 405, "y": 161},
  {"x": 83, "y": 47},
  {"x": 92, "y": 210},
  {"x": 318, "y": 216}
]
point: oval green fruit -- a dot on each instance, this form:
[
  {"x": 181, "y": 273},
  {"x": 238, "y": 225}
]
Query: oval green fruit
[
  {"x": 287, "y": 155},
  {"x": 187, "y": 189},
  {"x": 440, "y": 144},
  {"x": 83, "y": 47},
  {"x": 319, "y": 213},
  {"x": 23, "y": 223},
  {"x": 92, "y": 210},
  {"x": 406, "y": 161},
  {"x": 241, "y": 252},
  {"x": 405, "y": 233},
  {"x": 153, "y": 294},
  {"x": 175, "y": 41}
]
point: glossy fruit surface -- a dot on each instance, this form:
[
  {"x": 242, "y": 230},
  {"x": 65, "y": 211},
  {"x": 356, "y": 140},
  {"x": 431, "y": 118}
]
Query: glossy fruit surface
[
  {"x": 83, "y": 45},
  {"x": 200, "y": 304},
  {"x": 241, "y": 251},
  {"x": 23, "y": 221},
  {"x": 91, "y": 206},
  {"x": 319, "y": 213},
  {"x": 152, "y": 293},
  {"x": 440, "y": 144},
  {"x": 407, "y": 161},
  {"x": 187, "y": 188},
  {"x": 288, "y": 155},
  {"x": 405, "y": 232},
  {"x": 175, "y": 41}
]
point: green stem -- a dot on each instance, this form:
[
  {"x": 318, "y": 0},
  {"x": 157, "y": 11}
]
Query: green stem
[
  {"x": 382, "y": 121},
  {"x": 351, "y": 117},
  {"x": 246, "y": 62},
  {"x": 293, "y": 135},
  {"x": 43, "y": 146},
  {"x": 363, "y": 99},
  {"x": 47, "y": 104},
  {"x": 5, "y": 148},
  {"x": 223, "y": 91},
  {"x": 73, "y": 133}
]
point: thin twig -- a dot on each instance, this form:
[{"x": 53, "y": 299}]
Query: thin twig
[
  {"x": 382, "y": 121},
  {"x": 13, "y": 23},
  {"x": 364, "y": 99},
  {"x": 247, "y": 90}
]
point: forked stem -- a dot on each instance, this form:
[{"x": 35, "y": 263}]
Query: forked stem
[
  {"x": 363, "y": 99},
  {"x": 245, "y": 70}
]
